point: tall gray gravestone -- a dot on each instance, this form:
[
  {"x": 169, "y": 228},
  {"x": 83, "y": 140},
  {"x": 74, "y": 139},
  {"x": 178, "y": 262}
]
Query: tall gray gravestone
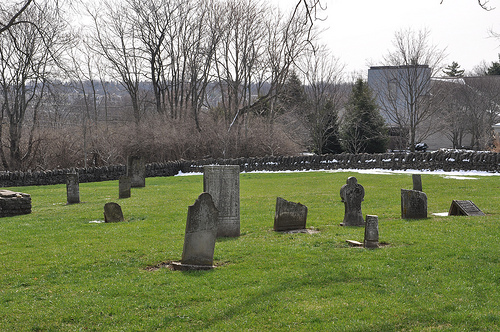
[
  {"x": 124, "y": 185},
  {"x": 371, "y": 232},
  {"x": 352, "y": 194},
  {"x": 417, "y": 182},
  {"x": 136, "y": 171},
  {"x": 201, "y": 232},
  {"x": 289, "y": 215},
  {"x": 223, "y": 184},
  {"x": 72, "y": 188},
  {"x": 413, "y": 204}
]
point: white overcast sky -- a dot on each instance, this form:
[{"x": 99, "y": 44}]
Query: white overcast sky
[{"x": 360, "y": 32}]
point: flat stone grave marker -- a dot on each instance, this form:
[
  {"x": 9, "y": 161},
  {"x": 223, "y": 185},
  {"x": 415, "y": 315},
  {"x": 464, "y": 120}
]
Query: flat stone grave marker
[
  {"x": 200, "y": 236},
  {"x": 72, "y": 188},
  {"x": 223, "y": 184},
  {"x": 124, "y": 185},
  {"x": 136, "y": 170},
  {"x": 371, "y": 232},
  {"x": 289, "y": 215},
  {"x": 464, "y": 208},
  {"x": 113, "y": 212},
  {"x": 352, "y": 194},
  {"x": 14, "y": 203},
  {"x": 413, "y": 204}
]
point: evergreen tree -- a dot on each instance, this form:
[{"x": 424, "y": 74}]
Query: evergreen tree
[
  {"x": 325, "y": 135},
  {"x": 363, "y": 129},
  {"x": 454, "y": 70},
  {"x": 293, "y": 94},
  {"x": 494, "y": 69}
]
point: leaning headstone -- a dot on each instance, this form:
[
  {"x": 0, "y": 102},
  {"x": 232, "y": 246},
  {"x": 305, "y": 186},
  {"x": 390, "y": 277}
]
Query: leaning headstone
[
  {"x": 136, "y": 170},
  {"x": 14, "y": 203},
  {"x": 417, "y": 182},
  {"x": 223, "y": 184},
  {"x": 72, "y": 188},
  {"x": 289, "y": 215},
  {"x": 464, "y": 208},
  {"x": 201, "y": 234},
  {"x": 352, "y": 194},
  {"x": 113, "y": 212},
  {"x": 124, "y": 185},
  {"x": 413, "y": 204},
  {"x": 371, "y": 232}
]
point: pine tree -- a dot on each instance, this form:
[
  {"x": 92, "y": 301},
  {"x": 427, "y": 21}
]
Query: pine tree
[
  {"x": 494, "y": 69},
  {"x": 363, "y": 129},
  {"x": 454, "y": 70}
]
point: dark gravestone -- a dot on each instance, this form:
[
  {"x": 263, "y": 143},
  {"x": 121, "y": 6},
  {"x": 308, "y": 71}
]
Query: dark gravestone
[
  {"x": 72, "y": 188},
  {"x": 289, "y": 215},
  {"x": 124, "y": 185},
  {"x": 417, "y": 182},
  {"x": 136, "y": 170},
  {"x": 371, "y": 232},
  {"x": 223, "y": 184},
  {"x": 464, "y": 208},
  {"x": 413, "y": 204},
  {"x": 352, "y": 195},
  {"x": 113, "y": 212},
  {"x": 201, "y": 232}
]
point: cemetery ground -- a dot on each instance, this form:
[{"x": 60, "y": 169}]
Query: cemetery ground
[{"x": 60, "y": 272}]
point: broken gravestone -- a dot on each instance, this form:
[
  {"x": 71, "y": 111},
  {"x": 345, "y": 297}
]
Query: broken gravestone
[
  {"x": 201, "y": 234},
  {"x": 371, "y": 232},
  {"x": 464, "y": 208},
  {"x": 352, "y": 194},
  {"x": 124, "y": 185},
  {"x": 223, "y": 184},
  {"x": 413, "y": 204},
  {"x": 113, "y": 212},
  {"x": 136, "y": 170},
  {"x": 72, "y": 188},
  {"x": 289, "y": 215}
]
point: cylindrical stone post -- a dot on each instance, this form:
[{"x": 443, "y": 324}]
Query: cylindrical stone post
[
  {"x": 72, "y": 188},
  {"x": 371, "y": 232},
  {"x": 223, "y": 184},
  {"x": 124, "y": 185}
]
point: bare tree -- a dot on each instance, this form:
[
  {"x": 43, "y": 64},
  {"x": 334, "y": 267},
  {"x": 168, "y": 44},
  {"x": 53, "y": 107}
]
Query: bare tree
[
  {"x": 13, "y": 16},
  {"x": 403, "y": 84}
]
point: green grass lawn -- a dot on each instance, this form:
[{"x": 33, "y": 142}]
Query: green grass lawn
[{"x": 59, "y": 272}]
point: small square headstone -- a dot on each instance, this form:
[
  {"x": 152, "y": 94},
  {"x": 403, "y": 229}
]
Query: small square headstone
[
  {"x": 413, "y": 204},
  {"x": 113, "y": 212},
  {"x": 289, "y": 215}
]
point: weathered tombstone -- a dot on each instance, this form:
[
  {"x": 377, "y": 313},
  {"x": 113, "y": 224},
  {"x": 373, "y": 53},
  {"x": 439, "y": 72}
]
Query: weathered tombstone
[
  {"x": 417, "y": 182},
  {"x": 352, "y": 194},
  {"x": 464, "y": 208},
  {"x": 113, "y": 212},
  {"x": 371, "y": 232},
  {"x": 413, "y": 204},
  {"x": 201, "y": 233},
  {"x": 136, "y": 170},
  {"x": 14, "y": 203},
  {"x": 223, "y": 184},
  {"x": 289, "y": 215},
  {"x": 124, "y": 185},
  {"x": 72, "y": 188}
]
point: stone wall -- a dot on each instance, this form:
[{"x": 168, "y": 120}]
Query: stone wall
[{"x": 440, "y": 160}]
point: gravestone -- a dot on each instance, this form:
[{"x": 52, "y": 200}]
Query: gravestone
[
  {"x": 289, "y": 215},
  {"x": 113, "y": 212},
  {"x": 464, "y": 208},
  {"x": 72, "y": 188},
  {"x": 417, "y": 182},
  {"x": 124, "y": 185},
  {"x": 201, "y": 232},
  {"x": 136, "y": 171},
  {"x": 371, "y": 232},
  {"x": 223, "y": 184},
  {"x": 14, "y": 203},
  {"x": 352, "y": 194},
  {"x": 413, "y": 204}
]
